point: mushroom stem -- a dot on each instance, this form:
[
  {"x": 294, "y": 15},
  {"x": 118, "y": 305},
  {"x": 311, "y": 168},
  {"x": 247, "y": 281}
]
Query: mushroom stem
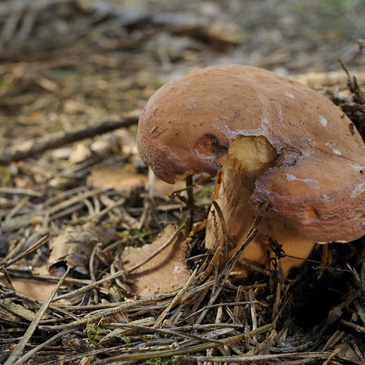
[{"x": 234, "y": 186}]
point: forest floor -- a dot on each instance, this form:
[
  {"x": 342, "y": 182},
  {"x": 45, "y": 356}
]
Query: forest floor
[{"x": 82, "y": 240}]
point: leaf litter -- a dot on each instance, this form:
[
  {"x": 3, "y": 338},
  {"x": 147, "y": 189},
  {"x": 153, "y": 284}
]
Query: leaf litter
[{"x": 88, "y": 261}]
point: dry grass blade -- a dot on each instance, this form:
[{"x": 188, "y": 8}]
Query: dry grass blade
[
  {"x": 109, "y": 312},
  {"x": 31, "y": 249},
  {"x": 223, "y": 276},
  {"x": 32, "y": 352},
  {"x": 250, "y": 359},
  {"x": 182, "y": 351},
  {"x": 357, "y": 327},
  {"x": 23, "y": 220},
  {"x": 19, "y": 191},
  {"x": 33, "y": 326},
  {"x": 176, "y": 299},
  {"x": 89, "y": 286},
  {"x": 95, "y": 217},
  {"x": 176, "y": 332}
]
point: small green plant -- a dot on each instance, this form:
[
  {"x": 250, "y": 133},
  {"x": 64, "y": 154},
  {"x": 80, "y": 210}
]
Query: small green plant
[
  {"x": 6, "y": 85},
  {"x": 92, "y": 331},
  {"x": 135, "y": 233},
  {"x": 5, "y": 176},
  {"x": 206, "y": 191},
  {"x": 107, "y": 225},
  {"x": 174, "y": 360},
  {"x": 127, "y": 340}
]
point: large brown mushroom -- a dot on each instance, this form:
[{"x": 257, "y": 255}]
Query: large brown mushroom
[{"x": 268, "y": 140}]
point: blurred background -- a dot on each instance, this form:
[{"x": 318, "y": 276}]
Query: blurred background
[{"x": 71, "y": 62}]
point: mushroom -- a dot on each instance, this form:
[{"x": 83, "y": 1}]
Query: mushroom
[{"x": 268, "y": 140}]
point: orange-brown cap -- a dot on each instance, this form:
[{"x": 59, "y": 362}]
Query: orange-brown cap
[{"x": 319, "y": 185}]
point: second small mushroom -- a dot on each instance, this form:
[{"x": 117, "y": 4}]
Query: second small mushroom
[{"x": 268, "y": 140}]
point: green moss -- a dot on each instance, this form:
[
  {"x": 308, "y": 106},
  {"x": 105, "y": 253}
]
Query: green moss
[
  {"x": 174, "y": 360},
  {"x": 6, "y": 85},
  {"x": 205, "y": 191},
  {"x": 135, "y": 233},
  {"x": 5, "y": 176}
]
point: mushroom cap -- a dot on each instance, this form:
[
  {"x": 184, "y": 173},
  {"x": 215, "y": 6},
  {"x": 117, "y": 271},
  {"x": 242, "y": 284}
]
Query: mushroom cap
[{"x": 319, "y": 185}]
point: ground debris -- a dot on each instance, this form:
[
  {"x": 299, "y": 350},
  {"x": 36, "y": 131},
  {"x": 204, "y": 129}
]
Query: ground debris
[
  {"x": 162, "y": 272},
  {"x": 72, "y": 70}
]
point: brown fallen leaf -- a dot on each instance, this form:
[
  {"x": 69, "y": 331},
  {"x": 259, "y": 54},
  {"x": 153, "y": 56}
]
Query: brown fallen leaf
[
  {"x": 164, "y": 272},
  {"x": 127, "y": 177},
  {"x": 119, "y": 178},
  {"x": 74, "y": 246},
  {"x": 71, "y": 248},
  {"x": 32, "y": 288}
]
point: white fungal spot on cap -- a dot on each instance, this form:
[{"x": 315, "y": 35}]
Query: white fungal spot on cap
[
  {"x": 191, "y": 103},
  {"x": 359, "y": 189},
  {"x": 336, "y": 151},
  {"x": 326, "y": 198},
  {"x": 265, "y": 121},
  {"x": 323, "y": 120},
  {"x": 313, "y": 184},
  {"x": 279, "y": 110},
  {"x": 289, "y": 95},
  {"x": 356, "y": 166},
  {"x": 331, "y": 145}
]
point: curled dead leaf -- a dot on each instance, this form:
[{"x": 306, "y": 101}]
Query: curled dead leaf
[
  {"x": 73, "y": 248},
  {"x": 164, "y": 272}
]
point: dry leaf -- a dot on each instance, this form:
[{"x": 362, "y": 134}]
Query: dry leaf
[
  {"x": 126, "y": 178},
  {"x": 74, "y": 246},
  {"x": 79, "y": 153},
  {"x": 118, "y": 178},
  {"x": 164, "y": 272},
  {"x": 36, "y": 289},
  {"x": 33, "y": 288}
]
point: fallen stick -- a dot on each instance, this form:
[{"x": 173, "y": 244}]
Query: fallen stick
[{"x": 63, "y": 138}]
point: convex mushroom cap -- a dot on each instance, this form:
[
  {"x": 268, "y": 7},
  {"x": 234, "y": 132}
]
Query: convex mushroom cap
[{"x": 293, "y": 147}]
